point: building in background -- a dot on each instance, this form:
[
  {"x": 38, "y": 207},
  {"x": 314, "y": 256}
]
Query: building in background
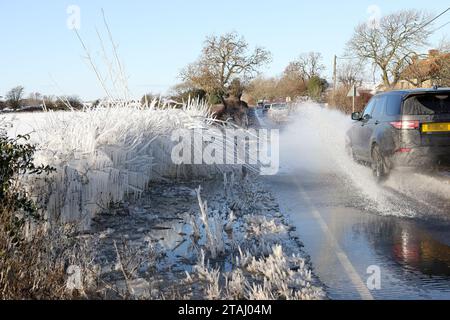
[{"x": 424, "y": 72}]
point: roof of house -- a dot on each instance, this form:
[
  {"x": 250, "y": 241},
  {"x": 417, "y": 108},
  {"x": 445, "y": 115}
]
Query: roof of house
[{"x": 426, "y": 66}]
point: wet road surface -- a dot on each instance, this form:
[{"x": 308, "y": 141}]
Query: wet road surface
[
  {"x": 350, "y": 243},
  {"x": 413, "y": 256}
]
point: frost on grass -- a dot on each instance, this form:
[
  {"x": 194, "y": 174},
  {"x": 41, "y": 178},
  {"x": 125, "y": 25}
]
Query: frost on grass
[
  {"x": 271, "y": 277},
  {"x": 260, "y": 267},
  {"x": 261, "y": 225},
  {"x": 184, "y": 242},
  {"x": 213, "y": 229},
  {"x": 177, "y": 243}
]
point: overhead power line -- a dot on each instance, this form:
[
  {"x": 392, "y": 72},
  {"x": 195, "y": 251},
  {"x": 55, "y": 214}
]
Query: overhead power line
[
  {"x": 434, "y": 19},
  {"x": 439, "y": 28}
]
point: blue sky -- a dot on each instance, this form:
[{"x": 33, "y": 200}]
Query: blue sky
[{"x": 158, "y": 38}]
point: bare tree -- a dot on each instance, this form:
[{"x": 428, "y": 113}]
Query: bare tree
[
  {"x": 184, "y": 91},
  {"x": 443, "y": 76},
  {"x": 393, "y": 43},
  {"x": 307, "y": 65},
  {"x": 14, "y": 97},
  {"x": 350, "y": 73},
  {"x": 418, "y": 71},
  {"x": 223, "y": 60},
  {"x": 292, "y": 82},
  {"x": 444, "y": 45},
  {"x": 262, "y": 89},
  {"x": 35, "y": 96}
]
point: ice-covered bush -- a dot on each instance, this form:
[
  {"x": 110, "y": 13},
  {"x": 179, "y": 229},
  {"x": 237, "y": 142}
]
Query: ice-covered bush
[
  {"x": 106, "y": 153},
  {"x": 32, "y": 265}
]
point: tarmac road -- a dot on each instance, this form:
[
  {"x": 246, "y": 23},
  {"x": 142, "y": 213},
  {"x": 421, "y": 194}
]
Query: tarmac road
[{"x": 397, "y": 249}]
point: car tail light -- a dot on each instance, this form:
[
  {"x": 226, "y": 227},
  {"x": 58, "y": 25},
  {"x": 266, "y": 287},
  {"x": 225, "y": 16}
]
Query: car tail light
[
  {"x": 404, "y": 150},
  {"x": 406, "y": 125}
]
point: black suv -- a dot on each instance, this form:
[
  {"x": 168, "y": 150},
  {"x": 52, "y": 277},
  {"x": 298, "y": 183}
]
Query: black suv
[{"x": 408, "y": 128}]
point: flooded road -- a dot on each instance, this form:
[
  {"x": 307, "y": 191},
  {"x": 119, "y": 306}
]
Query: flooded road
[
  {"x": 413, "y": 256},
  {"x": 354, "y": 229}
]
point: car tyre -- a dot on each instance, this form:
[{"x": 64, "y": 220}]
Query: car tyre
[{"x": 379, "y": 167}]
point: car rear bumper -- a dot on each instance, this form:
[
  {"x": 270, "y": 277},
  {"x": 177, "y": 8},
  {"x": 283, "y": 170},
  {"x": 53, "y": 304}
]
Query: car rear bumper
[{"x": 422, "y": 156}]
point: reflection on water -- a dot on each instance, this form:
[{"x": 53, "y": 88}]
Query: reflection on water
[
  {"x": 423, "y": 253},
  {"x": 414, "y": 258},
  {"x": 408, "y": 245},
  {"x": 412, "y": 254}
]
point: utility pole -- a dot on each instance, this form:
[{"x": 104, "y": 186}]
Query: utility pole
[
  {"x": 334, "y": 72},
  {"x": 354, "y": 97}
]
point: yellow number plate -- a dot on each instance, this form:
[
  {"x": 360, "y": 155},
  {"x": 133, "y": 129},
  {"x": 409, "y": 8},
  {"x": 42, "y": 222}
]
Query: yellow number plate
[{"x": 436, "y": 127}]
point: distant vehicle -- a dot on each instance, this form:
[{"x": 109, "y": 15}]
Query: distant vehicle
[
  {"x": 266, "y": 107},
  {"x": 279, "y": 112},
  {"x": 408, "y": 128},
  {"x": 279, "y": 106}
]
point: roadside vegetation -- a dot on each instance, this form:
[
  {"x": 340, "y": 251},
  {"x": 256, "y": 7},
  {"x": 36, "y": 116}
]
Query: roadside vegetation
[
  {"x": 98, "y": 157},
  {"x": 48, "y": 211},
  {"x": 32, "y": 258},
  {"x": 303, "y": 77},
  {"x": 223, "y": 71}
]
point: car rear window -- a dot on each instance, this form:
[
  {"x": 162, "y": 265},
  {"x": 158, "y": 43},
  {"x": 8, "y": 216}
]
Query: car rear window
[
  {"x": 428, "y": 104},
  {"x": 279, "y": 106}
]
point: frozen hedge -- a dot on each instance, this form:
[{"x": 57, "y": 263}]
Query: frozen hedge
[{"x": 106, "y": 153}]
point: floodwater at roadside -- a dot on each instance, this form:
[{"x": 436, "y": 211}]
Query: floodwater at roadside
[{"x": 350, "y": 225}]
